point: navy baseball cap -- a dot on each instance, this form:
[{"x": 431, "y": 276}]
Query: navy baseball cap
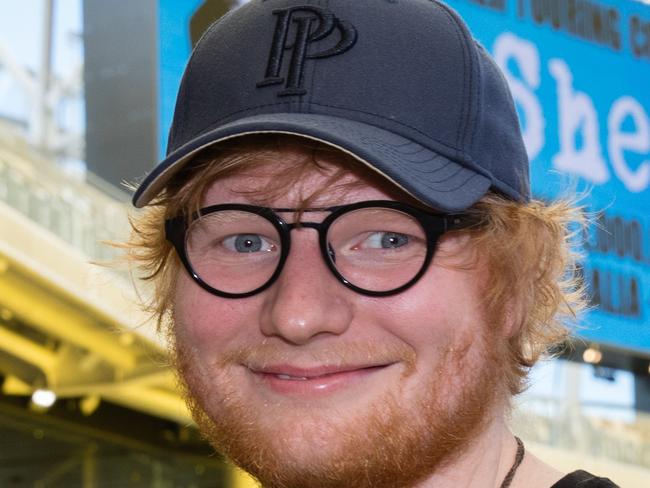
[{"x": 401, "y": 85}]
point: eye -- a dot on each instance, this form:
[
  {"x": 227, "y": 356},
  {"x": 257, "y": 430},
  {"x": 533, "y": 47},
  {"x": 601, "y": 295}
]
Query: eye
[
  {"x": 248, "y": 243},
  {"x": 384, "y": 240}
]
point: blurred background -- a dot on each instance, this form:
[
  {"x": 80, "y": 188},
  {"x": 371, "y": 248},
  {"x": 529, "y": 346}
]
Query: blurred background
[{"x": 87, "y": 89}]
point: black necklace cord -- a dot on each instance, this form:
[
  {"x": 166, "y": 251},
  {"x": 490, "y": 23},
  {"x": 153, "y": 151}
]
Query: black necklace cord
[{"x": 518, "y": 459}]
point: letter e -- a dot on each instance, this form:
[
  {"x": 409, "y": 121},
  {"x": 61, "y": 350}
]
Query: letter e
[{"x": 620, "y": 141}]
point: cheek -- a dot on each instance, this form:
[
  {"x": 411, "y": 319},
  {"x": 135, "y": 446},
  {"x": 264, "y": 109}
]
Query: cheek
[
  {"x": 205, "y": 320},
  {"x": 437, "y": 312}
]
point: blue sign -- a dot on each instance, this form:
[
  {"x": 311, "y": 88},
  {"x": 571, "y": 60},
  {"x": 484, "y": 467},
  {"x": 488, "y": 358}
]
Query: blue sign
[
  {"x": 175, "y": 48},
  {"x": 579, "y": 71}
]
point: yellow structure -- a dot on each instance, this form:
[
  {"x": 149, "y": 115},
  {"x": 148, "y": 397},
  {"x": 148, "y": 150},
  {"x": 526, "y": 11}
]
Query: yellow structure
[{"x": 70, "y": 326}]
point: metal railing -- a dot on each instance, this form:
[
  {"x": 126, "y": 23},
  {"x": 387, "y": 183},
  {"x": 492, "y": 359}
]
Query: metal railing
[
  {"x": 554, "y": 422},
  {"x": 75, "y": 211}
]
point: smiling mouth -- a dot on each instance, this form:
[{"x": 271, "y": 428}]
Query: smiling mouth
[
  {"x": 309, "y": 382},
  {"x": 289, "y": 377}
]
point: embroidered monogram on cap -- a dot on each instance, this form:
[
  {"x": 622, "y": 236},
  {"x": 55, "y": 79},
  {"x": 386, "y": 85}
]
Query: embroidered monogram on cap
[{"x": 311, "y": 24}]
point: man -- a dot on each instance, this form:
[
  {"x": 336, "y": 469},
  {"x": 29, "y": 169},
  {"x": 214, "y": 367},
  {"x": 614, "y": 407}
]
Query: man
[{"x": 345, "y": 251}]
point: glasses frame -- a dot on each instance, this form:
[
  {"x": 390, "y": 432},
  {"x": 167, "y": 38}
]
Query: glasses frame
[{"x": 433, "y": 224}]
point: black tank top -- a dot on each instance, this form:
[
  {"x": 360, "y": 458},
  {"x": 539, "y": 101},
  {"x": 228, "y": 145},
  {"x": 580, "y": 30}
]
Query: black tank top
[{"x": 582, "y": 479}]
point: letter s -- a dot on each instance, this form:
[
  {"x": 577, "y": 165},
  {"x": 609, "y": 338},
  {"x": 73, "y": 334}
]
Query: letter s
[{"x": 508, "y": 46}]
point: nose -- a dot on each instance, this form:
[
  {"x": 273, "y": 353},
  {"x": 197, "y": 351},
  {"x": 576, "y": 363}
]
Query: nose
[{"x": 307, "y": 300}]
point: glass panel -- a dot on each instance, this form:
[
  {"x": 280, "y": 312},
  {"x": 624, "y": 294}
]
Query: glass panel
[
  {"x": 377, "y": 249},
  {"x": 233, "y": 251}
]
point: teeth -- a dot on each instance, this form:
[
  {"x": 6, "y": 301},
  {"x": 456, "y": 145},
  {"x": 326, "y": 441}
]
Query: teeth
[{"x": 288, "y": 377}]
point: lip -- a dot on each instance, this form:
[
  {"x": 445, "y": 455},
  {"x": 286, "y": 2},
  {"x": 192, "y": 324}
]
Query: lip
[{"x": 296, "y": 381}]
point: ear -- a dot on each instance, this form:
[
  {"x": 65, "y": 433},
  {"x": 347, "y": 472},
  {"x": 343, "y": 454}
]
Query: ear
[{"x": 512, "y": 318}]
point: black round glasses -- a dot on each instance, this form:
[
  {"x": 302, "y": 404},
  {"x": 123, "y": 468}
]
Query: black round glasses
[{"x": 375, "y": 248}]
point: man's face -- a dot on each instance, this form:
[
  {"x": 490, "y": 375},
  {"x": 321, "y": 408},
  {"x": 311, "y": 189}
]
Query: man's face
[{"x": 312, "y": 384}]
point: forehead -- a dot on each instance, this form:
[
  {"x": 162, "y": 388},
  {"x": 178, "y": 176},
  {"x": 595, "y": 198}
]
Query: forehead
[{"x": 296, "y": 174}]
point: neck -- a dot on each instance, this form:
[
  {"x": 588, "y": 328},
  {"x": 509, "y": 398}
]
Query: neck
[
  {"x": 483, "y": 463},
  {"x": 486, "y": 461}
]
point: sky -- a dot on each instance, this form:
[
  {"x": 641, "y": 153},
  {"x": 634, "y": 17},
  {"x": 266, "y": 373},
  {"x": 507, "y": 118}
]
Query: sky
[{"x": 21, "y": 38}]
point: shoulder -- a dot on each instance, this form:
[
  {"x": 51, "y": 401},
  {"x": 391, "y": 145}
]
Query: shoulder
[{"x": 583, "y": 479}]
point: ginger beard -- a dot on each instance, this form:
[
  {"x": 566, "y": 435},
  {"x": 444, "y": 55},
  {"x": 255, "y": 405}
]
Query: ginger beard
[{"x": 385, "y": 443}]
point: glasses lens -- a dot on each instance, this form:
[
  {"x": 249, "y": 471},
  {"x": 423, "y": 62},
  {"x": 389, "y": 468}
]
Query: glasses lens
[
  {"x": 233, "y": 251},
  {"x": 377, "y": 249}
]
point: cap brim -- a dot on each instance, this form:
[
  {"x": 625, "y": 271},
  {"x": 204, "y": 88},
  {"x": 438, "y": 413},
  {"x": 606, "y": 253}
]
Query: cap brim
[{"x": 434, "y": 179}]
